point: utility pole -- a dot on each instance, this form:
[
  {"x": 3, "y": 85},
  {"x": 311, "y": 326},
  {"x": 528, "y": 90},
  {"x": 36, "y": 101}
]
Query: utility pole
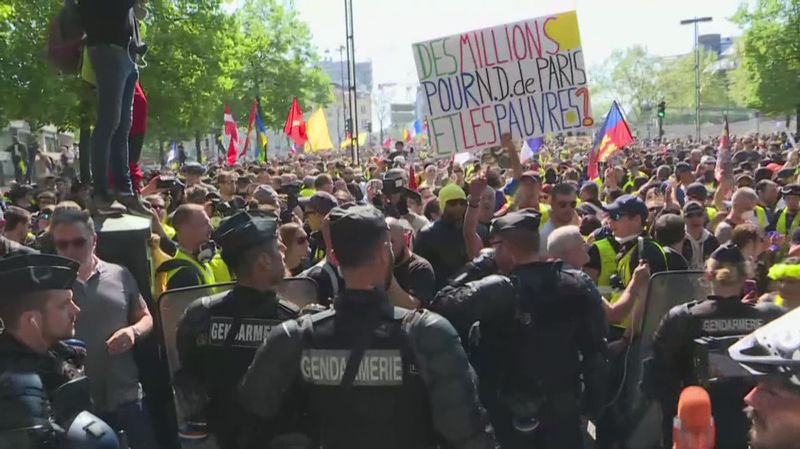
[
  {"x": 344, "y": 96},
  {"x": 694, "y": 22},
  {"x": 351, "y": 79}
]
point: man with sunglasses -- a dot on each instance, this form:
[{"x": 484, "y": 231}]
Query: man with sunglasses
[
  {"x": 613, "y": 260},
  {"x": 788, "y": 219},
  {"x": 114, "y": 317},
  {"x": 564, "y": 200}
]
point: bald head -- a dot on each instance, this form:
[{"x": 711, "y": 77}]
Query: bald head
[{"x": 399, "y": 230}]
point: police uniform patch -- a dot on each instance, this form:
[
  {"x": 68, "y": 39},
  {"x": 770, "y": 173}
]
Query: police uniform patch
[
  {"x": 251, "y": 334},
  {"x": 731, "y": 326},
  {"x": 378, "y": 367}
]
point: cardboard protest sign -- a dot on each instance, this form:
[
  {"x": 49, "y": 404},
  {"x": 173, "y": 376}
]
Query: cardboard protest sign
[{"x": 527, "y": 77}]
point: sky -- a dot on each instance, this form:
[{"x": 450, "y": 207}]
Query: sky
[{"x": 386, "y": 29}]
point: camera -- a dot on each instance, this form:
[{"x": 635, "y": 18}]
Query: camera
[
  {"x": 168, "y": 183},
  {"x": 392, "y": 186}
]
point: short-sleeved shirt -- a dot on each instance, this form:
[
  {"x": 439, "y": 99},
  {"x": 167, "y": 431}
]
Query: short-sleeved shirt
[
  {"x": 415, "y": 276},
  {"x": 107, "y": 301}
]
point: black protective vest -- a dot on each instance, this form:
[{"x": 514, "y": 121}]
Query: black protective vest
[
  {"x": 384, "y": 403},
  {"x": 229, "y": 330}
]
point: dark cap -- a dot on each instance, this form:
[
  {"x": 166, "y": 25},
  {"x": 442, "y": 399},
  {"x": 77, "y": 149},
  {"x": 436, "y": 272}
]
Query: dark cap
[
  {"x": 321, "y": 202},
  {"x": 193, "y": 168},
  {"x": 697, "y": 190},
  {"x": 791, "y": 189},
  {"x": 627, "y": 205},
  {"x": 533, "y": 175},
  {"x": 525, "y": 220},
  {"x": 357, "y": 224},
  {"x": 681, "y": 167},
  {"x": 245, "y": 229},
  {"x": 693, "y": 208},
  {"x": 728, "y": 253},
  {"x": 395, "y": 173},
  {"x": 743, "y": 176},
  {"x": 36, "y": 272}
]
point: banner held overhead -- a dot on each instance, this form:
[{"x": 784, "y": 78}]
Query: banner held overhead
[{"x": 527, "y": 78}]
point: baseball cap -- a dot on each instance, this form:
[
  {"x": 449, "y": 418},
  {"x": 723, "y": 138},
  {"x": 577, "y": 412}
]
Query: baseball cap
[
  {"x": 321, "y": 202},
  {"x": 525, "y": 219},
  {"x": 627, "y": 205},
  {"x": 36, "y": 272},
  {"x": 693, "y": 208},
  {"x": 708, "y": 160},
  {"x": 791, "y": 189},
  {"x": 697, "y": 190},
  {"x": 728, "y": 253},
  {"x": 533, "y": 175},
  {"x": 265, "y": 194}
]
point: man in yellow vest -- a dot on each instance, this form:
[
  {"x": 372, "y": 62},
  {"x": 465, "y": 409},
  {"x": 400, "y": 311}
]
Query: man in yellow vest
[
  {"x": 787, "y": 219},
  {"x": 191, "y": 264},
  {"x": 612, "y": 260}
]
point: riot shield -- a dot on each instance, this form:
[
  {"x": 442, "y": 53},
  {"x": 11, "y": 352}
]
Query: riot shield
[
  {"x": 667, "y": 290},
  {"x": 293, "y": 292}
]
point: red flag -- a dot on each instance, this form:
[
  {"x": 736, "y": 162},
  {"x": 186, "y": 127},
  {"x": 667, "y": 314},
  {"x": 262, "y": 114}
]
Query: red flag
[
  {"x": 253, "y": 112},
  {"x": 723, "y": 153},
  {"x": 387, "y": 143},
  {"x": 412, "y": 177},
  {"x": 295, "y": 126},
  {"x": 232, "y": 131}
]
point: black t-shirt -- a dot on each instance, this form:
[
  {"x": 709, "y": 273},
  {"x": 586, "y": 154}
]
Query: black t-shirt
[
  {"x": 416, "y": 277},
  {"x": 675, "y": 260}
]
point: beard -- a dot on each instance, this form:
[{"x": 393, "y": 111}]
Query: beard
[{"x": 766, "y": 435}]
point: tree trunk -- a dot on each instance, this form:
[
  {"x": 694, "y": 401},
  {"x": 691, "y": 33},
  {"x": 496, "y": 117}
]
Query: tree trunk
[
  {"x": 797, "y": 120},
  {"x": 161, "y": 153},
  {"x": 85, "y": 148},
  {"x": 197, "y": 149}
]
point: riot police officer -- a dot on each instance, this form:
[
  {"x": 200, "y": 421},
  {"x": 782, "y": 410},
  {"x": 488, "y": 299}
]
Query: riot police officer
[
  {"x": 369, "y": 374},
  {"x": 722, "y": 314},
  {"x": 218, "y": 335},
  {"x": 541, "y": 334},
  {"x": 43, "y": 393}
]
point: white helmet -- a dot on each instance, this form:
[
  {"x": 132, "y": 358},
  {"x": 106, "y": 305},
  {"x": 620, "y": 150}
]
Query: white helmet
[{"x": 772, "y": 349}]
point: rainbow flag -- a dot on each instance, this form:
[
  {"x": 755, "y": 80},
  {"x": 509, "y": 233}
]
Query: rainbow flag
[{"x": 613, "y": 136}]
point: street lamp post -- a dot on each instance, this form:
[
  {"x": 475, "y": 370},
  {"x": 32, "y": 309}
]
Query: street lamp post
[{"x": 694, "y": 22}]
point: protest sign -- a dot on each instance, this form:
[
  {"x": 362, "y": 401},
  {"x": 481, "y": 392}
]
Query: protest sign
[{"x": 527, "y": 78}]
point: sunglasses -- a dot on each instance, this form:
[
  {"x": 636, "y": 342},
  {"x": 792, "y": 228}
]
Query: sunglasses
[
  {"x": 695, "y": 215},
  {"x": 45, "y": 216},
  {"x": 76, "y": 243}
]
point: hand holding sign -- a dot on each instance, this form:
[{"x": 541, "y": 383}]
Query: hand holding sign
[{"x": 527, "y": 78}]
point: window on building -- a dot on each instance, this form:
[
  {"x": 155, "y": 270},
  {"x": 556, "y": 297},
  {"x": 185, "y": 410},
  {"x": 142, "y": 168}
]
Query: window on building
[{"x": 363, "y": 109}]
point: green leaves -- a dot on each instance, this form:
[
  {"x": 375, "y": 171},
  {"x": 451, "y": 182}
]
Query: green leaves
[
  {"x": 768, "y": 77},
  {"x": 201, "y": 55}
]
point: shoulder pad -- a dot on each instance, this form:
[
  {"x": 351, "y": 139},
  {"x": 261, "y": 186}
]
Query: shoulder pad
[
  {"x": 321, "y": 316},
  {"x": 213, "y": 300}
]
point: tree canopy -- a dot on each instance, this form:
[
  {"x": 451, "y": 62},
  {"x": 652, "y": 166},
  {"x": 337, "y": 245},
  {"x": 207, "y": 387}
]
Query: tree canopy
[
  {"x": 201, "y": 56},
  {"x": 768, "y": 76}
]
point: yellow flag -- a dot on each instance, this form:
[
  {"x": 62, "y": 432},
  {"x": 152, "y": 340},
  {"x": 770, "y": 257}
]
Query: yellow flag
[{"x": 319, "y": 138}]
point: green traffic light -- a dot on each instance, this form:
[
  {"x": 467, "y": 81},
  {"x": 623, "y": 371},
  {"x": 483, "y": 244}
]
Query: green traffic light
[{"x": 661, "y": 114}]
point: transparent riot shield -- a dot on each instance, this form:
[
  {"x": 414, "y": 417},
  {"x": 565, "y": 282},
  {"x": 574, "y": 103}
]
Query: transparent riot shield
[
  {"x": 667, "y": 290},
  {"x": 295, "y": 293}
]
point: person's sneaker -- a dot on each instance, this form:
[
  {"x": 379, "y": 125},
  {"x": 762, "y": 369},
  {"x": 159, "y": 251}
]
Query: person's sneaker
[
  {"x": 135, "y": 205},
  {"x": 104, "y": 205}
]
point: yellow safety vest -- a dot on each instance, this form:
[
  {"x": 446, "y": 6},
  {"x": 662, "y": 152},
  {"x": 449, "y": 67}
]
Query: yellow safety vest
[
  {"x": 307, "y": 193},
  {"x": 168, "y": 269},
  {"x": 780, "y": 226},
  {"x": 712, "y": 213},
  {"x": 779, "y": 300},
  {"x": 762, "y": 217},
  {"x": 220, "y": 270},
  {"x": 169, "y": 230},
  {"x": 610, "y": 266}
]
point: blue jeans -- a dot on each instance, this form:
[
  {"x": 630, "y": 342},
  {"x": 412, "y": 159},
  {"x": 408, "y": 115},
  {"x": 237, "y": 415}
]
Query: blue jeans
[
  {"x": 116, "y": 75},
  {"x": 134, "y": 419}
]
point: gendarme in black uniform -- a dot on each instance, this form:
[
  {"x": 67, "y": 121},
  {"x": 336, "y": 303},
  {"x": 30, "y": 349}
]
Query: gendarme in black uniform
[
  {"x": 44, "y": 396},
  {"x": 541, "y": 342},
  {"x": 671, "y": 368},
  {"x": 370, "y": 375},
  {"x": 218, "y": 337}
]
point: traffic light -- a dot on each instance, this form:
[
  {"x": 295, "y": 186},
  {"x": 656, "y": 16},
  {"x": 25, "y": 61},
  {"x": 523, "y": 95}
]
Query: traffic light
[
  {"x": 661, "y": 108},
  {"x": 369, "y": 127},
  {"x": 348, "y": 126}
]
